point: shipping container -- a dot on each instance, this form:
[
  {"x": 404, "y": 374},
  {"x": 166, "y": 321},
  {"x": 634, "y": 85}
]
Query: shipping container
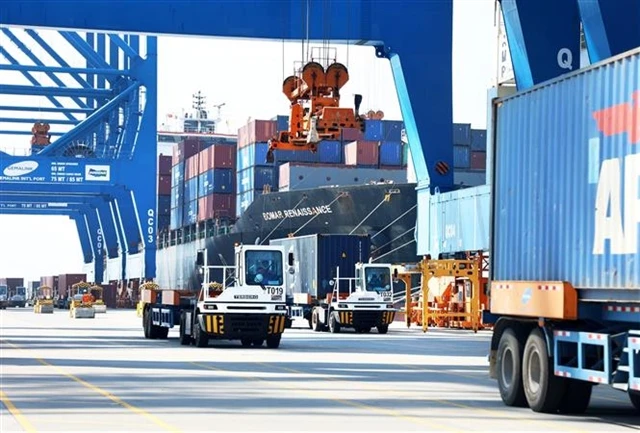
[
  {"x": 177, "y": 174},
  {"x": 65, "y": 281},
  {"x": 302, "y": 155},
  {"x": 190, "y": 213},
  {"x": 317, "y": 256},
  {"x": 164, "y": 204},
  {"x": 164, "y": 164},
  {"x": 109, "y": 295},
  {"x": 361, "y": 153},
  {"x": 296, "y": 176},
  {"x": 352, "y": 134},
  {"x": 373, "y": 130},
  {"x": 164, "y": 221},
  {"x": 282, "y": 123},
  {"x": 256, "y": 178},
  {"x": 164, "y": 185},
  {"x": 191, "y": 166},
  {"x": 176, "y": 218},
  {"x": 177, "y": 194},
  {"x": 461, "y": 157},
  {"x": 190, "y": 190},
  {"x": 478, "y": 160},
  {"x": 50, "y": 281},
  {"x": 186, "y": 149},
  {"x": 216, "y": 206},
  {"x": 329, "y": 152},
  {"x": 253, "y": 155},
  {"x": 392, "y": 130},
  {"x": 217, "y": 156},
  {"x": 479, "y": 140},
  {"x": 391, "y": 153},
  {"x": 566, "y": 182},
  {"x": 216, "y": 181},
  {"x": 256, "y": 131},
  {"x": 461, "y": 134},
  {"x": 12, "y": 284},
  {"x": 226, "y": 140},
  {"x": 469, "y": 178},
  {"x": 244, "y": 199}
]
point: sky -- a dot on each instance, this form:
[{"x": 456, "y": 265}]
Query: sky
[{"x": 225, "y": 72}]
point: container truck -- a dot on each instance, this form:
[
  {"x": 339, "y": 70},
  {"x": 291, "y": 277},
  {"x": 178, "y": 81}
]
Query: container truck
[
  {"x": 4, "y": 296},
  {"x": 333, "y": 287},
  {"x": 565, "y": 257},
  {"x": 245, "y": 302}
]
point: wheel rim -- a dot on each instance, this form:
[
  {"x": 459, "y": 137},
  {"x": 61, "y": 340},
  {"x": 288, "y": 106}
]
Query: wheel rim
[
  {"x": 507, "y": 370},
  {"x": 534, "y": 372}
]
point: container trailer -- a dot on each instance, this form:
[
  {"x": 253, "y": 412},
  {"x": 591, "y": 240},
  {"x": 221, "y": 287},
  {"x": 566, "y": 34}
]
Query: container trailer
[
  {"x": 334, "y": 288},
  {"x": 245, "y": 302},
  {"x": 565, "y": 262}
]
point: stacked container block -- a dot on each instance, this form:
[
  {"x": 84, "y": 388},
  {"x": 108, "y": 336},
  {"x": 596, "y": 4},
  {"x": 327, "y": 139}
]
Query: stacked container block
[{"x": 164, "y": 192}]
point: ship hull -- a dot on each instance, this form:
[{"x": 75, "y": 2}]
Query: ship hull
[{"x": 385, "y": 212}]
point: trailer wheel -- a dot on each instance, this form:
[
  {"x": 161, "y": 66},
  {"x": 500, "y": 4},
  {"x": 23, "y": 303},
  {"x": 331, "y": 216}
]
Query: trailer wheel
[
  {"x": 162, "y": 333},
  {"x": 509, "y": 367},
  {"x": 274, "y": 341},
  {"x": 146, "y": 323},
  {"x": 185, "y": 340},
  {"x": 576, "y": 398},
  {"x": 382, "y": 329},
  {"x": 334, "y": 325},
  {"x": 543, "y": 389},
  {"x": 201, "y": 338},
  {"x": 634, "y": 396}
]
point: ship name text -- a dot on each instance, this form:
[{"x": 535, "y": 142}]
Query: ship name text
[{"x": 296, "y": 213}]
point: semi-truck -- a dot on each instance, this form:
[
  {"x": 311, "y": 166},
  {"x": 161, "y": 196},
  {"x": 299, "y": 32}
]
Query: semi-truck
[
  {"x": 4, "y": 296},
  {"x": 243, "y": 302},
  {"x": 563, "y": 212},
  {"x": 334, "y": 287}
]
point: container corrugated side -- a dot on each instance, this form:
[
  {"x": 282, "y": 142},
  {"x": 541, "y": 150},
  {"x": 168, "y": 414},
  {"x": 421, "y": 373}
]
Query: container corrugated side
[
  {"x": 461, "y": 156},
  {"x": 296, "y": 176},
  {"x": 557, "y": 168}
]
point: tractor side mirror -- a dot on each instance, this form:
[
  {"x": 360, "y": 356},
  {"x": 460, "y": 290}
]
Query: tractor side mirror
[{"x": 290, "y": 260}]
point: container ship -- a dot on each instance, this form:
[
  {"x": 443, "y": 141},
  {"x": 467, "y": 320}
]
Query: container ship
[{"x": 216, "y": 190}]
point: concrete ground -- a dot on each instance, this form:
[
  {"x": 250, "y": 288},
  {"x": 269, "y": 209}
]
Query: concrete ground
[{"x": 60, "y": 374}]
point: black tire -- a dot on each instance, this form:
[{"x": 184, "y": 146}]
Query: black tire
[
  {"x": 334, "y": 325},
  {"x": 162, "y": 333},
  {"x": 146, "y": 323},
  {"x": 509, "y": 368},
  {"x": 185, "y": 340},
  {"x": 382, "y": 329},
  {"x": 543, "y": 389},
  {"x": 201, "y": 337},
  {"x": 634, "y": 396},
  {"x": 315, "y": 321},
  {"x": 258, "y": 342},
  {"x": 273, "y": 342},
  {"x": 576, "y": 397},
  {"x": 246, "y": 342}
]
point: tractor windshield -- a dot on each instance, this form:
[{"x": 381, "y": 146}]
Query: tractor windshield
[
  {"x": 378, "y": 279},
  {"x": 264, "y": 268}
]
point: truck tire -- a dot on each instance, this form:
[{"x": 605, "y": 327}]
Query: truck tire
[
  {"x": 334, "y": 325},
  {"x": 315, "y": 321},
  {"x": 273, "y": 342},
  {"x": 146, "y": 323},
  {"x": 576, "y": 398},
  {"x": 200, "y": 337},
  {"x": 185, "y": 340},
  {"x": 382, "y": 329},
  {"x": 543, "y": 389},
  {"x": 246, "y": 342},
  {"x": 162, "y": 333},
  {"x": 509, "y": 367},
  {"x": 258, "y": 342},
  {"x": 634, "y": 396}
]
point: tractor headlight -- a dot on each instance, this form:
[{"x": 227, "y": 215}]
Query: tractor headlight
[
  {"x": 342, "y": 305},
  {"x": 280, "y": 307}
]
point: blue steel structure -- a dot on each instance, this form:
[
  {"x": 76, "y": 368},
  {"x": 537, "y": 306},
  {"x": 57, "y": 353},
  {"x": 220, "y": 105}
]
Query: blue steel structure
[{"x": 415, "y": 37}]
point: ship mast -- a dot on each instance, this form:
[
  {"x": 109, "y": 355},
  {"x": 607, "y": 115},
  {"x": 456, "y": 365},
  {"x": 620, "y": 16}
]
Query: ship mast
[{"x": 199, "y": 106}]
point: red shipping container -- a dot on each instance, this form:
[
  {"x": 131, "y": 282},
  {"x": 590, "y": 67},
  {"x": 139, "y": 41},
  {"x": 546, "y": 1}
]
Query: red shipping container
[
  {"x": 217, "y": 156},
  {"x": 187, "y": 148},
  {"x": 478, "y": 160},
  {"x": 191, "y": 166},
  {"x": 164, "y": 164},
  {"x": 256, "y": 131},
  {"x": 164, "y": 185},
  {"x": 216, "y": 206},
  {"x": 352, "y": 134},
  {"x": 109, "y": 294},
  {"x": 50, "y": 281},
  {"x": 65, "y": 281},
  {"x": 361, "y": 153}
]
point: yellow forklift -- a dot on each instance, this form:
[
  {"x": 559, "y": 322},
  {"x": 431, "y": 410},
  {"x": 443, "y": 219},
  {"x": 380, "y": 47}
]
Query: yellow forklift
[
  {"x": 98, "y": 299},
  {"x": 43, "y": 300},
  {"x": 81, "y": 301}
]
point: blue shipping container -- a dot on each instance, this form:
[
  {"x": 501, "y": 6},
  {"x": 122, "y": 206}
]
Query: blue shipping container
[
  {"x": 177, "y": 174},
  {"x": 176, "y": 217},
  {"x": 564, "y": 151},
  {"x": 282, "y": 123},
  {"x": 176, "y": 195},
  {"x": 216, "y": 181},
  {"x": 390, "y": 153},
  {"x": 164, "y": 204},
  {"x": 462, "y": 134},
  {"x": 190, "y": 213},
  {"x": 392, "y": 130},
  {"x": 479, "y": 140},
  {"x": 164, "y": 221},
  {"x": 374, "y": 130},
  {"x": 190, "y": 190},
  {"x": 256, "y": 177},
  {"x": 461, "y": 157},
  {"x": 244, "y": 199},
  {"x": 253, "y": 155},
  {"x": 329, "y": 152},
  {"x": 282, "y": 156}
]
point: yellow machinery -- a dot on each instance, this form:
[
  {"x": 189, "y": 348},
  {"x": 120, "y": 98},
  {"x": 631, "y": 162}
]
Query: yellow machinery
[
  {"x": 97, "y": 303},
  {"x": 462, "y": 301},
  {"x": 81, "y": 305},
  {"x": 44, "y": 300},
  {"x": 146, "y": 291}
]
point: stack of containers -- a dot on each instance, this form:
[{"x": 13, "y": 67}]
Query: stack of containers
[
  {"x": 253, "y": 172},
  {"x": 478, "y": 149},
  {"x": 462, "y": 146},
  {"x": 164, "y": 192},
  {"x": 181, "y": 153},
  {"x": 300, "y": 175},
  {"x": 216, "y": 182}
]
